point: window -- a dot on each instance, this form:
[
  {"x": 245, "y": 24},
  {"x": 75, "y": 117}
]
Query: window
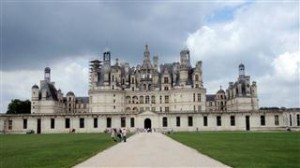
[
  {"x": 81, "y": 122},
  {"x": 153, "y": 99},
  {"x": 166, "y": 80},
  {"x": 197, "y": 86},
  {"x": 132, "y": 80},
  {"x": 167, "y": 109},
  {"x": 52, "y": 125},
  {"x": 108, "y": 122},
  {"x": 232, "y": 120},
  {"x": 10, "y": 124},
  {"x": 160, "y": 109},
  {"x": 219, "y": 121},
  {"x": 166, "y": 99},
  {"x": 178, "y": 121},
  {"x": 95, "y": 122},
  {"x": 196, "y": 78},
  {"x": 190, "y": 121},
  {"x": 67, "y": 123},
  {"x": 165, "y": 122},
  {"x": 199, "y": 97},
  {"x": 205, "y": 121},
  {"x": 291, "y": 121},
  {"x": 166, "y": 88},
  {"x": 153, "y": 109},
  {"x": 123, "y": 122},
  {"x": 112, "y": 78},
  {"x": 276, "y": 117},
  {"x": 262, "y": 120},
  {"x": 194, "y": 97},
  {"x": 298, "y": 119},
  {"x": 132, "y": 122},
  {"x": 160, "y": 99},
  {"x": 25, "y": 123},
  {"x": 147, "y": 100}
]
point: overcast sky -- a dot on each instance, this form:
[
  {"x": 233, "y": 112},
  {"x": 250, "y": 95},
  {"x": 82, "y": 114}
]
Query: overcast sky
[{"x": 65, "y": 35}]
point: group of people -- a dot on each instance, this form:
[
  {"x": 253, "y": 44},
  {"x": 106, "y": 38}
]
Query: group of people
[{"x": 118, "y": 135}]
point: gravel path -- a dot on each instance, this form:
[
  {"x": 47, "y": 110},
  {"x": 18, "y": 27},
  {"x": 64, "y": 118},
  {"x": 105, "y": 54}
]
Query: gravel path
[{"x": 150, "y": 150}]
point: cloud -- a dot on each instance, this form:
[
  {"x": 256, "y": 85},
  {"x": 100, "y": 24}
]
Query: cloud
[
  {"x": 263, "y": 36},
  {"x": 286, "y": 66}
]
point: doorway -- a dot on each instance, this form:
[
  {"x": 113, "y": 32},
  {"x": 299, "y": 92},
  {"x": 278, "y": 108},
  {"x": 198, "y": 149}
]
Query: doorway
[
  {"x": 248, "y": 123},
  {"x": 38, "y": 130},
  {"x": 147, "y": 123}
]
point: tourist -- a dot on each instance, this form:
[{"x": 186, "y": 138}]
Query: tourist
[
  {"x": 119, "y": 134},
  {"x": 124, "y": 133}
]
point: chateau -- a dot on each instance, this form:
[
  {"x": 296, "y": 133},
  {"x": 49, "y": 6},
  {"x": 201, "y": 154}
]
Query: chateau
[{"x": 162, "y": 97}]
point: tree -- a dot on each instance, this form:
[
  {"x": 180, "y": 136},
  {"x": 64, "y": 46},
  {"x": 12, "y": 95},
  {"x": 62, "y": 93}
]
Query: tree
[{"x": 17, "y": 106}]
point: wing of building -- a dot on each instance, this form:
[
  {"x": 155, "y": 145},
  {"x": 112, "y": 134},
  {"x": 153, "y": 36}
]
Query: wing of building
[{"x": 148, "y": 96}]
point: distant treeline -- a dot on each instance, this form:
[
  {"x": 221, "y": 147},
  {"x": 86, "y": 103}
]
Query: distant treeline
[
  {"x": 17, "y": 106},
  {"x": 279, "y": 108}
]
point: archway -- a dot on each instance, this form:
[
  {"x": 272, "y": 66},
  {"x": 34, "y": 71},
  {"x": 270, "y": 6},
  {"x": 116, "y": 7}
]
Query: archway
[{"x": 147, "y": 123}]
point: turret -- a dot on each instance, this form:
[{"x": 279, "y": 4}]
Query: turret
[
  {"x": 242, "y": 70},
  {"x": 34, "y": 93},
  {"x": 47, "y": 74}
]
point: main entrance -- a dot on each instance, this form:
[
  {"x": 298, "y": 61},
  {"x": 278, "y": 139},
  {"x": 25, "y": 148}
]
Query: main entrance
[{"x": 147, "y": 123}]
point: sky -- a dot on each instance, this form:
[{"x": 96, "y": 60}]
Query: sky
[{"x": 65, "y": 35}]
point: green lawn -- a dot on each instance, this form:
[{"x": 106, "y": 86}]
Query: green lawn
[
  {"x": 50, "y": 150},
  {"x": 246, "y": 149}
]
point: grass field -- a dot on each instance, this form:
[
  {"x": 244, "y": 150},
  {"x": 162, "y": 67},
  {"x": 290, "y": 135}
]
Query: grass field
[
  {"x": 50, "y": 150},
  {"x": 246, "y": 149}
]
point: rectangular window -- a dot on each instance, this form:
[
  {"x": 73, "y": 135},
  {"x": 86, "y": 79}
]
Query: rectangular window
[
  {"x": 291, "y": 121},
  {"x": 166, "y": 80},
  {"x": 262, "y": 120},
  {"x": 165, "y": 122},
  {"x": 81, "y": 122},
  {"x": 166, "y": 109},
  {"x": 178, "y": 121},
  {"x": 25, "y": 123},
  {"x": 108, "y": 122},
  {"x": 190, "y": 121},
  {"x": 153, "y": 109},
  {"x": 160, "y": 99},
  {"x": 160, "y": 109},
  {"x": 194, "y": 97},
  {"x": 205, "y": 121},
  {"x": 199, "y": 97},
  {"x": 10, "y": 124},
  {"x": 298, "y": 119},
  {"x": 52, "y": 125},
  {"x": 166, "y": 99},
  {"x": 232, "y": 120},
  {"x": 219, "y": 121},
  {"x": 95, "y": 122},
  {"x": 153, "y": 99},
  {"x": 276, "y": 118},
  {"x": 132, "y": 122},
  {"x": 67, "y": 123},
  {"x": 123, "y": 122}
]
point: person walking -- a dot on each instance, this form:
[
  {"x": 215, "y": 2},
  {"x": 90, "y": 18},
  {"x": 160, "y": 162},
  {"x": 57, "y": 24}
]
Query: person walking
[
  {"x": 120, "y": 135},
  {"x": 124, "y": 132}
]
